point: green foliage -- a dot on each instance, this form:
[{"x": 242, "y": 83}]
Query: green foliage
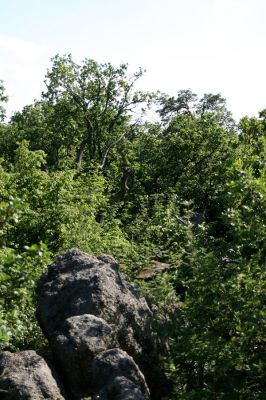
[
  {"x": 215, "y": 323},
  {"x": 84, "y": 114},
  {"x": 218, "y": 337},
  {"x": 81, "y": 168},
  {"x": 213, "y": 319},
  {"x": 197, "y": 146},
  {"x": 18, "y": 274},
  {"x": 64, "y": 209},
  {"x": 3, "y": 99}
]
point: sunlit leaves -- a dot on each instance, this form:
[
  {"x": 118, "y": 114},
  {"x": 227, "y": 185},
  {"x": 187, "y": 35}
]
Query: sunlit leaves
[{"x": 18, "y": 274}]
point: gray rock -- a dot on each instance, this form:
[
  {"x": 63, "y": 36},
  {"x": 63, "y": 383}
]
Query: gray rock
[
  {"x": 82, "y": 338},
  {"x": 26, "y": 376},
  {"x": 78, "y": 284},
  {"x": 116, "y": 376}
]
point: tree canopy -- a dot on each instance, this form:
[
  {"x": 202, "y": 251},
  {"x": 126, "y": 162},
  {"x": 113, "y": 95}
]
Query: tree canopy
[{"x": 82, "y": 167}]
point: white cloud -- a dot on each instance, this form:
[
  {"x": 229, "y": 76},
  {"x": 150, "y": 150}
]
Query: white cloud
[{"x": 23, "y": 66}]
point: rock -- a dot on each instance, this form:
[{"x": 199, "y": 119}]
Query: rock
[
  {"x": 116, "y": 376},
  {"x": 81, "y": 339},
  {"x": 82, "y": 286},
  {"x": 26, "y": 376},
  {"x": 122, "y": 388}
]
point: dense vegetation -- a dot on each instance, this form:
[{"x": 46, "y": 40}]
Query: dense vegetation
[{"x": 150, "y": 179}]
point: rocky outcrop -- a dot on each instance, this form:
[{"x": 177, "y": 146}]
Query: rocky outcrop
[
  {"x": 85, "y": 307},
  {"x": 26, "y": 376},
  {"x": 99, "y": 332}
]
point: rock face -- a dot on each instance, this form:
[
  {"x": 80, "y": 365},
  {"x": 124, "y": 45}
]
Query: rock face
[
  {"x": 81, "y": 338},
  {"x": 116, "y": 376},
  {"x": 26, "y": 376},
  {"x": 98, "y": 328}
]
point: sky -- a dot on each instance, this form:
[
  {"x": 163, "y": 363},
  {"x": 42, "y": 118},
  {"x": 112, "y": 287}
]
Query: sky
[{"x": 208, "y": 46}]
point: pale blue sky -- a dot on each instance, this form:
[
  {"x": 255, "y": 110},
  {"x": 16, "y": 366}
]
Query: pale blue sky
[{"x": 205, "y": 45}]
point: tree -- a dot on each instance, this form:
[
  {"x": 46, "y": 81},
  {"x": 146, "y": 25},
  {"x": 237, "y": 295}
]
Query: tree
[
  {"x": 184, "y": 103},
  {"x": 197, "y": 141},
  {"x": 3, "y": 99},
  {"x": 98, "y": 100},
  {"x": 215, "y": 293},
  {"x": 188, "y": 103}
]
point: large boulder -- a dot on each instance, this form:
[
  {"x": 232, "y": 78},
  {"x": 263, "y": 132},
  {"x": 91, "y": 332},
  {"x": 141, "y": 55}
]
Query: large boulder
[
  {"x": 81, "y": 338},
  {"x": 116, "y": 376},
  {"x": 26, "y": 376},
  {"x": 85, "y": 307}
]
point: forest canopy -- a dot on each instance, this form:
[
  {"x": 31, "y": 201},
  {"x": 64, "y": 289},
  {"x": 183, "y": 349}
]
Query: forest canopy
[{"x": 86, "y": 167}]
